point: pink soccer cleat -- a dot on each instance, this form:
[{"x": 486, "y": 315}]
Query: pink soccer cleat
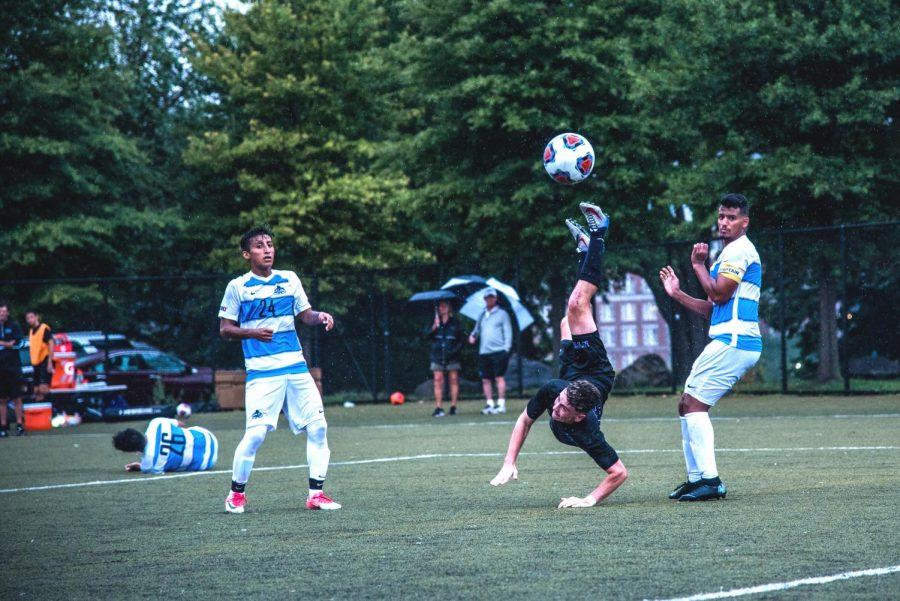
[
  {"x": 235, "y": 501},
  {"x": 321, "y": 501}
]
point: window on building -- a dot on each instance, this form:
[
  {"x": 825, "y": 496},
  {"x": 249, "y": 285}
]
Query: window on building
[
  {"x": 651, "y": 336},
  {"x": 628, "y": 312},
  {"x": 629, "y": 284},
  {"x": 606, "y": 313},
  {"x": 648, "y": 312},
  {"x": 609, "y": 336},
  {"x": 627, "y": 359},
  {"x": 629, "y": 336}
]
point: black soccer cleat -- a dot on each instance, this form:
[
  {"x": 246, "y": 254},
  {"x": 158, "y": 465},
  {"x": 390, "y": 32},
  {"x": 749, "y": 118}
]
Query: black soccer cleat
[
  {"x": 452, "y": 409},
  {"x": 684, "y": 488},
  {"x": 20, "y": 430},
  {"x": 708, "y": 490},
  {"x": 438, "y": 412}
]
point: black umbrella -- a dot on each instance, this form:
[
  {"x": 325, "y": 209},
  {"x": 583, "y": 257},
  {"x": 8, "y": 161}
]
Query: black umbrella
[{"x": 433, "y": 296}]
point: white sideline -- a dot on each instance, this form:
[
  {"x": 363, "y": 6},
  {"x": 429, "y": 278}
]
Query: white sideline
[
  {"x": 780, "y": 586},
  {"x": 425, "y": 456}
]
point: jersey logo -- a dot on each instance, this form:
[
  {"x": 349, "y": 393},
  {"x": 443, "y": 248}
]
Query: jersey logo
[
  {"x": 279, "y": 290},
  {"x": 256, "y": 414}
]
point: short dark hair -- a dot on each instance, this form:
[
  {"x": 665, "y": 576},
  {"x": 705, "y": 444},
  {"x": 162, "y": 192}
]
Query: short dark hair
[
  {"x": 129, "y": 440},
  {"x": 253, "y": 233},
  {"x": 583, "y": 395},
  {"x": 735, "y": 201}
]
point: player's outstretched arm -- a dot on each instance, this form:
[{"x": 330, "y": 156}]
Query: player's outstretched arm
[
  {"x": 314, "y": 318},
  {"x": 616, "y": 474},
  {"x": 509, "y": 471},
  {"x": 672, "y": 286}
]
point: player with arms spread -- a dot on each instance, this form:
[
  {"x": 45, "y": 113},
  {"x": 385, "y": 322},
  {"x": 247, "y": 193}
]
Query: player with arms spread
[
  {"x": 732, "y": 307},
  {"x": 259, "y": 309},
  {"x": 575, "y": 401}
]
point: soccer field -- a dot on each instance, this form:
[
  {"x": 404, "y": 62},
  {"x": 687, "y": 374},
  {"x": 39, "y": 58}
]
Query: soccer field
[{"x": 814, "y": 487}]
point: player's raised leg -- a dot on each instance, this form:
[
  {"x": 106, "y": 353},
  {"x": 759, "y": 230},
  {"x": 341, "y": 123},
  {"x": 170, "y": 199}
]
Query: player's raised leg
[{"x": 580, "y": 311}]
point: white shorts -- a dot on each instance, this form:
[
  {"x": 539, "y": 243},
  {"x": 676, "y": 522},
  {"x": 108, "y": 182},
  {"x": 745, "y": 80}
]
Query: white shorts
[
  {"x": 717, "y": 370},
  {"x": 296, "y": 394}
]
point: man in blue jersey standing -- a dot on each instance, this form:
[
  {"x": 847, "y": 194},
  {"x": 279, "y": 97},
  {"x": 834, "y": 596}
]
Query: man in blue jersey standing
[
  {"x": 168, "y": 446},
  {"x": 732, "y": 306},
  {"x": 259, "y": 309}
]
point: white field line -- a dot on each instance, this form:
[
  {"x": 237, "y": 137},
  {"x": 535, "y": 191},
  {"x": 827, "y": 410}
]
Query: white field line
[
  {"x": 421, "y": 457},
  {"x": 780, "y": 586}
]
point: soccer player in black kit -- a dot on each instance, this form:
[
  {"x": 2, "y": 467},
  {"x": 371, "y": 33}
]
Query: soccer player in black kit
[{"x": 575, "y": 401}]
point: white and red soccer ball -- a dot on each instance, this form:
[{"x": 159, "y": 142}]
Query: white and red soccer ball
[
  {"x": 183, "y": 410},
  {"x": 569, "y": 158}
]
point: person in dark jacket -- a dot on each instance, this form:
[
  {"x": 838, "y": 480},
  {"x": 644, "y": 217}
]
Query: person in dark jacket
[{"x": 446, "y": 344}]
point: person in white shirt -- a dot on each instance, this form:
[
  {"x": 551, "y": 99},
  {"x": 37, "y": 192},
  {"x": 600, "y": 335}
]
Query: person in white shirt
[
  {"x": 258, "y": 309},
  {"x": 732, "y": 287},
  {"x": 494, "y": 334}
]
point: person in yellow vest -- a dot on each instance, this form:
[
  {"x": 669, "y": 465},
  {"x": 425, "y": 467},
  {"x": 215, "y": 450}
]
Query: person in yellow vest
[{"x": 40, "y": 342}]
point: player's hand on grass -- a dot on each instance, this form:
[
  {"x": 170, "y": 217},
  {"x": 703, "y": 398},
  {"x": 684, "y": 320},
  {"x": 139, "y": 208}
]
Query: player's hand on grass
[
  {"x": 669, "y": 280},
  {"x": 575, "y": 502},
  {"x": 263, "y": 334},
  {"x": 506, "y": 473},
  {"x": 133, "y": 467},
  {"x": 699, "y": 253},
  {"x": 326, "y": 319}
]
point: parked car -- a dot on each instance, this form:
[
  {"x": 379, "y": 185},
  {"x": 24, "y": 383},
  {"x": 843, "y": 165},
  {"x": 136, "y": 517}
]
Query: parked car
[{"x": 140, "y": 369}]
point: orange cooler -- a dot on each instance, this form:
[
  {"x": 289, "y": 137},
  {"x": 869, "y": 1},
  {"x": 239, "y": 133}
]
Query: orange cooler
[{"x": 37, "y": 416}]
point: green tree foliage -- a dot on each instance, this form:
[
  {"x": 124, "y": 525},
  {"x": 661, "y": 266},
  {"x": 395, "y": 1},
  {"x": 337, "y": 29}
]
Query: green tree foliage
[
  {"x": 301, "y": 94},
  {"x": 487, "y": 85},
  {"x": 793, "y": 104}
]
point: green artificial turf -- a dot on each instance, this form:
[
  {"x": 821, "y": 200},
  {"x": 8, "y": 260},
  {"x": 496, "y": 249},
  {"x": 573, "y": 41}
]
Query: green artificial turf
[{"x": 432, "y": 527}]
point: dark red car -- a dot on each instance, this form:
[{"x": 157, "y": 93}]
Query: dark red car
[{"x": 141, "y": 369}]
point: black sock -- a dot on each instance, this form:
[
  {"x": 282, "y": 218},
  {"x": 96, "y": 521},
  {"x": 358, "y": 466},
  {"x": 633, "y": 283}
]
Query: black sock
[
  {"x": 235, "y": 487},
  {"x": 316, "y": 484},
  {"x": 592, "y": 264}
]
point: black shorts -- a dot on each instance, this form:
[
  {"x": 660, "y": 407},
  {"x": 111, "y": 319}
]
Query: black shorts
[
  {"x": 10, "y": 385},
  {"x": 42, "y": 373},
  {"x": 584, "y": 358},
  {"x": 493, "y": 365},
  {"x": 586, "y": 435}
]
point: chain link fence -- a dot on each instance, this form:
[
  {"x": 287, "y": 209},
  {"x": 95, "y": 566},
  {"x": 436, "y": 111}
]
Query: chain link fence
[{"x": 826, "y": 315}]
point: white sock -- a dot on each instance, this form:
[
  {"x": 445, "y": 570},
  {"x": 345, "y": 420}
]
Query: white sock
[
  {"x": 317, "y": 451},
  {"x": 702, "y": 442},
  {"x": 245, "y": 453},
  {"x": 501, "y": 403},
  {"x": 490, "y": 402},
  {"x": 693, "y": 471}
]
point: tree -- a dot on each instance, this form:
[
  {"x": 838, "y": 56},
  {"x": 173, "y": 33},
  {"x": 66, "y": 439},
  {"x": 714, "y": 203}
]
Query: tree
[
  {"x": 299, "y": 115},
  {"x": 485, "y": 86},
  {"x": 795, "y": 105}
]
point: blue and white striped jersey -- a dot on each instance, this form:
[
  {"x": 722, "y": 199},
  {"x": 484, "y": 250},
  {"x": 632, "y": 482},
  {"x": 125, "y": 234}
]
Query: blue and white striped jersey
[
  {"x": 271, "y": 303},
  {"x": 736, "y": 322},
  {"x": 171, "y": 448}
]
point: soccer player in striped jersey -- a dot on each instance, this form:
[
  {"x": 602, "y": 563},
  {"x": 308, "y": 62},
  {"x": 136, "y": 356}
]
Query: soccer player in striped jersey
[
  {"x": 732, "y": 307},
  {"x": 168, "y": 446},
  {"x": 259, "y": 309}
]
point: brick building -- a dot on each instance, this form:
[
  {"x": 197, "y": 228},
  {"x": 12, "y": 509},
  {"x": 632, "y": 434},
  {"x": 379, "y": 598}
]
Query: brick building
[{"x": 630, "y": 324}]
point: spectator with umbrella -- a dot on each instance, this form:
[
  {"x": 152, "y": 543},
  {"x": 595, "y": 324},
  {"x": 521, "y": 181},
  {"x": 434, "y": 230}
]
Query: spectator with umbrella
[
  {"x": 493, "y": 329},
  {"x": 446, "y": 346}
]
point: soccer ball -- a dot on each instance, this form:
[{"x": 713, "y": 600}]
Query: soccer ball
[
  {"x": 183, "y": 410},
  {"x": 569, "y": 158},
  {"x": 398, "y": 398}
]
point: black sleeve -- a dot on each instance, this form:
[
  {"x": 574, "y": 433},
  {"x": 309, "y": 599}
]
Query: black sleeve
[
  {"x": 47, "y": 335},
  {"x": 543, "y": 399},
  {"x": 601, "y": 451},
  {"x": 16, "y": 332},
  {"x": 428, "y": 332}
]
